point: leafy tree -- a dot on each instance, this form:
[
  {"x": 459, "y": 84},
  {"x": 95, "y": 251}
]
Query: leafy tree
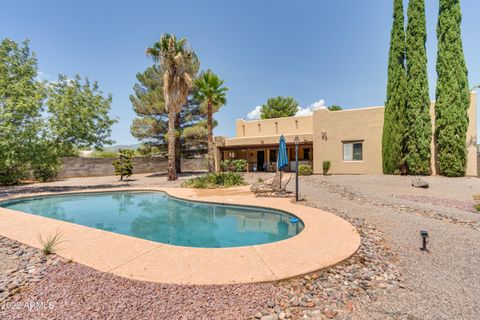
[
  {"x": 180, "y": 65},
  {"x": 195, "y": 138},
  {"x": 148, "y": 103},
  {"x": 453, "y": 94},
  {"x": 279, "y": 107},
  {"x": 212, "y": 93},
  {"x": 393, "y": 138},
  {"x": 32, "y": 137},
  {"x": 21, "y": 99},
  {"x": 124, "y": 165},
  {"x": 334, "y": 107},
  {"x": 418, "y": 122},
  {"x": 151, "y": 124},
  {"x": 78, "y": 114}
]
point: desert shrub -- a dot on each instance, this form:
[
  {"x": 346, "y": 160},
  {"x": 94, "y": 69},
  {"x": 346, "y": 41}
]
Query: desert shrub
[
  {"x": 238, "y": 165},
  {"x": 224, "y": 165},
  {"x": 215, "y": 180},
  {"x": 305, "y": 170},
  {"x": 326, "y": 167},
  {"x": 50, "y": 243},
  {"x": 124, "y": 165}
]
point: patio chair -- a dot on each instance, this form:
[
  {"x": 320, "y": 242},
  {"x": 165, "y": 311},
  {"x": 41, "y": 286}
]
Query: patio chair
[{"x": 273, "y": 187}]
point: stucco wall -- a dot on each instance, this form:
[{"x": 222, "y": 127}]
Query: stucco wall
[
  {"x": 268, "y": 127},
  {"x": 472, "y": 139},
  {"x": 95, "y": 167},
  {"x": 329, "y": 129},
  {"x": 267, "y": 140},
  {"x": 332, "y": 128}
]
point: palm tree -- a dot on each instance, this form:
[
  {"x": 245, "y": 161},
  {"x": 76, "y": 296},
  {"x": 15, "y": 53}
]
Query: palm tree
[
  {"x": 210, "y": 92},
  {"x": 180, "y": 65}
]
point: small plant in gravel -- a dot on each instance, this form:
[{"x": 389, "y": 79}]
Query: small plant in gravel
[
  {"x": 50, "y": 243},
  {"x": 477, "y": 199},
  {"x": 305, "y": 170},
  {"x": 215, "y": 180},
  {"x": 326, "y": 166},
  {"x": 124, "y": 165}
]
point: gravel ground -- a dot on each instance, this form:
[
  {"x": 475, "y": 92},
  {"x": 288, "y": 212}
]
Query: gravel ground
[
  {"x": 439, "y": 284},
  {"x": 388, "y": 278},
  {"x": 73, "y": 291},
  {"x": 21, "y": 266}
]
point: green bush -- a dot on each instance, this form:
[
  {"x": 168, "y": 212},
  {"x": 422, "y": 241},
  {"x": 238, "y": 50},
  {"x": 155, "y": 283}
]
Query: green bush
[
  {"x": 46, "y": 171},
  {"x": 43, "y": 166},
  {"x": 46, "y": 164},
  {"x": 238, "y": 165},
  {"x": 10, "y": 175},
  {"x": 215, "y": 180},
  {"x": 326, "y": 166},
  {"x": 124, "y": 165},
  {"x": 305, "y": 170}
]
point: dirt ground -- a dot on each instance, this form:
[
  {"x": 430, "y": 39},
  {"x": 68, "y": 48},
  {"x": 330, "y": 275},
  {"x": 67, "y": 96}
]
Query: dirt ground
[{"x": 439, "y": 284}]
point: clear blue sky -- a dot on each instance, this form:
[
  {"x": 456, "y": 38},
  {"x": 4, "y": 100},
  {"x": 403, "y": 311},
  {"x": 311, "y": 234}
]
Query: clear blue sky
[{"x": 311, "y": 50}]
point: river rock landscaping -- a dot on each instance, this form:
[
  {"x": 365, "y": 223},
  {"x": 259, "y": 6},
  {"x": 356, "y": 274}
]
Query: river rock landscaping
[{"x": 21, "y": 266}]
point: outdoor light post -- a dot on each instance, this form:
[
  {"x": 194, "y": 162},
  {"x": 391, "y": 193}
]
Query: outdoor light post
[
  {"x": 296, "y": 140},
  {"x": 424, "y": 235}
]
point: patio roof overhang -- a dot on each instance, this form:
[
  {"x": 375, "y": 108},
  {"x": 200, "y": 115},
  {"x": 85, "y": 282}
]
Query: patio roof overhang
[{"x": 265, "y": 141}]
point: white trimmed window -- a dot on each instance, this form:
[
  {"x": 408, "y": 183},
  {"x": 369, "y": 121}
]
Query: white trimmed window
[{"x": 353, "y": 151}]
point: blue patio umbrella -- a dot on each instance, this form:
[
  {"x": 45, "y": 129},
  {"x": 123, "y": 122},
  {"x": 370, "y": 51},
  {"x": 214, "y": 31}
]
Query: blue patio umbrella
[{"x": 282, "y": 159}]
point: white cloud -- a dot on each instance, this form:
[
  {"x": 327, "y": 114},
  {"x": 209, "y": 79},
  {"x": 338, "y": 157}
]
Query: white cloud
[
  {"x": 305, "y": 111},
  {"x": 320, "y": 104},
  {"x": 255, "y": 113},
  {"x": 301, "y": 111}
]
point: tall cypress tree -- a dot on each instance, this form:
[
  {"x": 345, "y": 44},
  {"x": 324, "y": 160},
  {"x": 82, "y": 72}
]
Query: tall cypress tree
[
  {"x": 453, "y": 96},
  {"x": 418, "y": 121},
  {"x": 395, "y": 105}
]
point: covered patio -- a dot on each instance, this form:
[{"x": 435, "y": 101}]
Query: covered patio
[{"x": 263, "y": 157}]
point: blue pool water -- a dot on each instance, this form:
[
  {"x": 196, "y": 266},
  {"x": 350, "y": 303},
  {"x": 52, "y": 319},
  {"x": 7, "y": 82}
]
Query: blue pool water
[{"x": 158, "y": 217}]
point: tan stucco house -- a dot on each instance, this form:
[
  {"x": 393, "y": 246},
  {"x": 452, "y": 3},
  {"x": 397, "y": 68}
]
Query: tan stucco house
[{"x": 350, "y": 139}]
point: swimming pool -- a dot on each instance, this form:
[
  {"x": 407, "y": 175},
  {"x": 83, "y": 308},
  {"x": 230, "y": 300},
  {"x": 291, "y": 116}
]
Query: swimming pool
[{"x": 159, "y": 217}]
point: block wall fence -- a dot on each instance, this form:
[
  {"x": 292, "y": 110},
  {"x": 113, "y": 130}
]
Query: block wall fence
[{"x": 96, "y": 167}]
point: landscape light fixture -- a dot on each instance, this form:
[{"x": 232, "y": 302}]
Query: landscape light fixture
[
  {"x": 297, "y": 141},
  {"x": 424, "y": 235}
]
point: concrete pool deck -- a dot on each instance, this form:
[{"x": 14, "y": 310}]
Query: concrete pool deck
[{"x": 326, "y": 240}]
